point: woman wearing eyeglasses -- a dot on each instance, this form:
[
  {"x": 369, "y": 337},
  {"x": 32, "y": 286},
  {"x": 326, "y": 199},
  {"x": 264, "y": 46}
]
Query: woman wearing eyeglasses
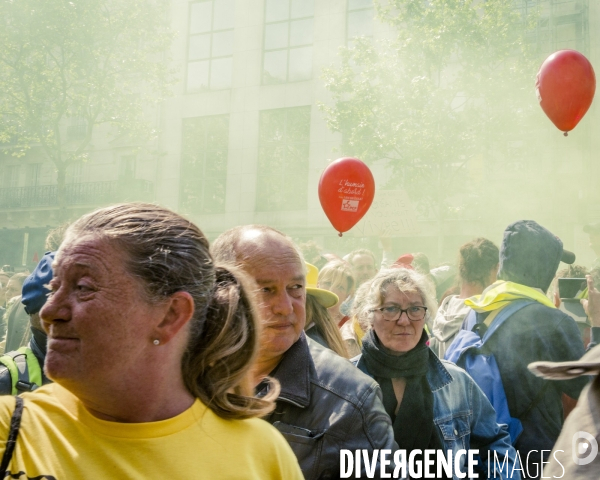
[{"x": 433, "y": 404}]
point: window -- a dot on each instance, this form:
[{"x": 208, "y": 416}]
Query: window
[
  {"x": 283, "y": 159},
  {"x": 11, "y": 176},
  {"x": 74, "y": 172},
  {"x": 127, "y": 167},
  {"x": 210, "y": 47},
  {"x": 288, "y": 41},
  {"x": 360, "y": 19},
  {"x": 557, "y": 25},
  {"x": 33, "y": 174},
  {"x": 204, "y": 164}
]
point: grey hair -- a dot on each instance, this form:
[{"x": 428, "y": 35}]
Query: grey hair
[
  {"x": 404, "y": 280},
  {"x": 360, "y": 310}
]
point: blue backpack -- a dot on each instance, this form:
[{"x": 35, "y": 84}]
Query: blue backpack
[{"x": 469, "y": 351}]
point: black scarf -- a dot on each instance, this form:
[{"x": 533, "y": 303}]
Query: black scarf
[{"x": 413, "y": 425}]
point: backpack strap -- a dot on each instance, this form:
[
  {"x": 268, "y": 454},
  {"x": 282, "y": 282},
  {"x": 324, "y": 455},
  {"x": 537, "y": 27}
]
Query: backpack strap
[
  {"x": 472, "y": 324},
  {"x": 496, "y": 322},
  {"x": 10, "y": 364},
  {"x": 491, "y": 317},
  {"x": 11, "y": 441},
  {"x": 34, "y": 369},
  {"x": 503, "y": 315},
  {"x": 480, "y": 328},
  {"x": 24, "y": 368},
  {"x": 474, "y": 332}
]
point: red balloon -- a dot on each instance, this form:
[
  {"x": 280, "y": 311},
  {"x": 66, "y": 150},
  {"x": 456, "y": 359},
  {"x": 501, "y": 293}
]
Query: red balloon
[
  {"x": 346, "y": 191},
  {"x": 565, "y": 87}
]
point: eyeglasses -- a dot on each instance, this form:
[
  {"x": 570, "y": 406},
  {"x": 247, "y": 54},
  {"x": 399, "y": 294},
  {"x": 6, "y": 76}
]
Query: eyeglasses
[{"x": 393, "y": 312}]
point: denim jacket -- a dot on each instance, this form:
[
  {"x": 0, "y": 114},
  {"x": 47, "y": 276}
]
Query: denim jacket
[{"x": 466, "y": 419}]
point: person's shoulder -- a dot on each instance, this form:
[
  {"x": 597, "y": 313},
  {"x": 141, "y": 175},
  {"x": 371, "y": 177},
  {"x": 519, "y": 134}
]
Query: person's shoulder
[
  {"x": 5, "y": 381},
  {"x": 274, "y": 449},
  {"x": 338, "y": 374},
  {"x": 7, "y": 407},
  {"x": 447, "y": 303},
  {"x": 451, "y": 367},
  {"x": 241, "y": 434},
  {"x": 241, "y": 429},
  {"x": 537, "y": 308},
  {"x": 354, "y": 360},
  {"x": 454, "y": 370},
  {"x": 452, "y": 376},
  {"x": 326, "y": 360},
  {"x": 536, "y": 313},
  {"x": 314, "y": 334},
  {"x": 457, "y": 306},
  {"x": 50, "y": 398},
  {"x": 256, "y": 428}
]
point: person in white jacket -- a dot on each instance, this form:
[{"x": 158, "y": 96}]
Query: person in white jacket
[{"x": 477, "y": 268}]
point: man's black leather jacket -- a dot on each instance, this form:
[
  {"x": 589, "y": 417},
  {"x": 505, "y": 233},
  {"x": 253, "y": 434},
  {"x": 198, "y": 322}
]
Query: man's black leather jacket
[{"x": 326, "y": 405}]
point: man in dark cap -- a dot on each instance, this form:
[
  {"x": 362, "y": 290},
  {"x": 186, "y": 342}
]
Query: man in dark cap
[
  {"x": 537, "y": 331},
  {"x": 21, "y": 370}
]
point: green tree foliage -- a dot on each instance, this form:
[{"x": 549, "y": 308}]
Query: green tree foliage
[
  {"x": 448, "y": 82},
  {"x": 85, "y": 63}
]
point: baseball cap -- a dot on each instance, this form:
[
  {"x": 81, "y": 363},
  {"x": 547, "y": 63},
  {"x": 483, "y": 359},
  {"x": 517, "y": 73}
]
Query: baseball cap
[
  {"x": 34, "y": 292},
  {"x": 530, "y": 254}
]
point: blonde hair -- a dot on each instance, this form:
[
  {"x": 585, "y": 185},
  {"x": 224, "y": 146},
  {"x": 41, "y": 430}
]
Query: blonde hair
[
  {"x": 337, "y": 273},
  {"x": 169, "y": 254},
  {"x": 318, "y": 314},
  {"x": 404, "y": 280}
]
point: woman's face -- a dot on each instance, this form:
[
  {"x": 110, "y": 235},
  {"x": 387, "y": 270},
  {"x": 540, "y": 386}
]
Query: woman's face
[
  {"x": 341, "y": 290},
  {"x": 99, "y": 324},
  {"x": 400, "y": 335}
]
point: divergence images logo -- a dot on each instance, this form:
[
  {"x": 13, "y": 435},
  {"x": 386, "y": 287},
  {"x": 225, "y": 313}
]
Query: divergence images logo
[
  {"x": 350, "y": 205},
  {"x": 585, "y": 448}
]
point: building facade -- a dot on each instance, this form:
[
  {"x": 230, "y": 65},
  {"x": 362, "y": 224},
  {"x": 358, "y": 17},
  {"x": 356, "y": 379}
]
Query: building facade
[{"x": 243, "y": 139}]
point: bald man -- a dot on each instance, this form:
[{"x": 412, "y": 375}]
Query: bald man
[{"x": 325, "y": 404}]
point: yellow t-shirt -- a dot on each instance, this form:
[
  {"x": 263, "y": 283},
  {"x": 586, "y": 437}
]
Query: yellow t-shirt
[{"x": 59, "y": 439}]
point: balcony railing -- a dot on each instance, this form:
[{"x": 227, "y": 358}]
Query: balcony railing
[{"x": 92, "y": 193}]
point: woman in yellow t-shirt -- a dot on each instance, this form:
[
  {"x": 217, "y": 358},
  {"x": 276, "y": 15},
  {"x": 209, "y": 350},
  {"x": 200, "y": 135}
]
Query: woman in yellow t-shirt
[{"x": 150, "y": 347}]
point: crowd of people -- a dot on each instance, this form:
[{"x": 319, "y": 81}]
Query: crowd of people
[{"x": 151, "y": 354}]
